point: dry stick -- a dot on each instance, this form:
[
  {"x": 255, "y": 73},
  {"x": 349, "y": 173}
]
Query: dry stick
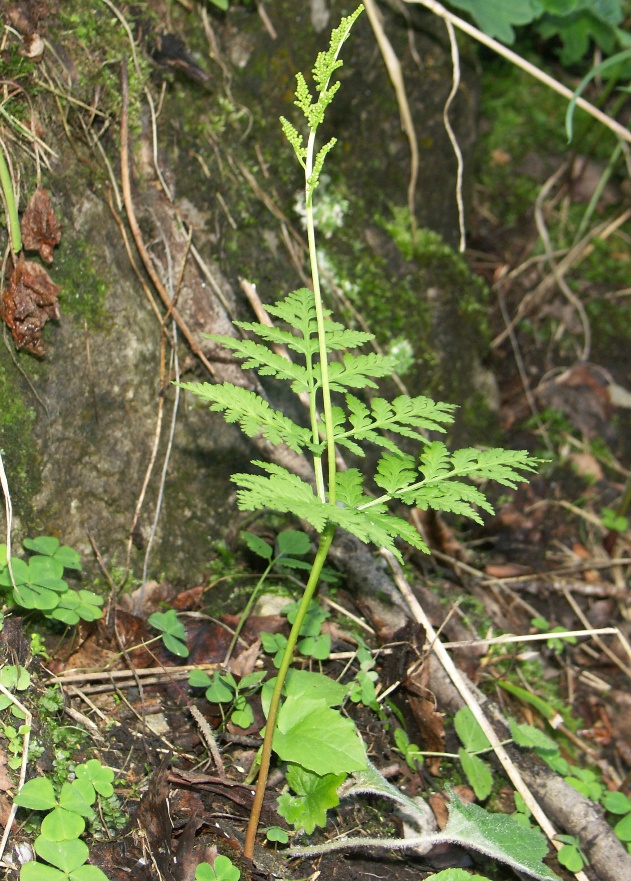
[
  {"x": 530, "y": 637},
  {"x": 526, "y": 66},
  {"x": 577, "y": 253},
  {"x": 28, "y": 719},
  {"x": 558, "y": 276},
  {"x": 396, "y": 77},
  {"x": 99, "y": 675},
  {"x": 135, "y": 229},
  {"x": 209, "y": 737},
  {"x": 454, "y": 674},
  {"x": 612, "y": 657},
  {"x": 455, "y": 62}
]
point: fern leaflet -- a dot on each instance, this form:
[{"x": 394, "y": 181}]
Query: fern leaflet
[{"x": 254, "y": 415}]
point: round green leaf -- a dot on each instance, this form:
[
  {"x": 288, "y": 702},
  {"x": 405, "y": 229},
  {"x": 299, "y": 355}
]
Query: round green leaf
[
  {"x": 623, "y": 828},
  {"x": 78, "y": 796},
  {"x": 37, "y": 794},
  {"x": 616, "y": 803},
  {"x": 174, "y": 645},
  {"x": 65, "y": 855},
  {"x": 292, "y": 541},
  {"x": 68, "y": 557},
  {"x": 34, "y": 871},
  {"x": 257, "y": 545},
  {"x": 199, "y": 679},
  {"x": 33, "y": 597},
  {"x": 20, "y": 573},
  {"x": 45, "y": 544},
  {"x": 62, "y": 825},
  {"x": 277, "y": 833},
  {"x": 570, "y": 857},
  {"x": 88, "y": 873},
  {"x": 225, "y": 869}
]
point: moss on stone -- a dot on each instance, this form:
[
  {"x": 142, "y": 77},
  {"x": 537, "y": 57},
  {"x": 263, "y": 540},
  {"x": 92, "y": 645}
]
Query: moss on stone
[
  {"x": 17, "y": 441},
  {"x": 83, "y": 289}
]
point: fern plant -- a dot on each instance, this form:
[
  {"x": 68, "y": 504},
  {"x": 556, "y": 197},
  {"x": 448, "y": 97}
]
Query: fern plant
[{"x": 325, "y": 362}]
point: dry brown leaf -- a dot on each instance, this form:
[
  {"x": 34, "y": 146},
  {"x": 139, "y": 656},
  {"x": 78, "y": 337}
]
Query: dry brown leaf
[
  {"x": 41, "y": 230},
  {"x": 28, "y": 301}
]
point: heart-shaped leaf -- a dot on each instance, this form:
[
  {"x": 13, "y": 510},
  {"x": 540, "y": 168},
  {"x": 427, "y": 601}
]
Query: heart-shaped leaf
[
  {"x": 65, "y": 855},
  {"x": 37, "y": 794},
  {"x": 62, "y": 825}
]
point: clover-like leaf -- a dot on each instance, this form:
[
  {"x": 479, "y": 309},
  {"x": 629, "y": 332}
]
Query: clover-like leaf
[
  {"x": 62, "y": 825},
  {"x": 99, "y": 776},
  {"x": 37, "y": 794},
  {"x": 64, "y": 855}
]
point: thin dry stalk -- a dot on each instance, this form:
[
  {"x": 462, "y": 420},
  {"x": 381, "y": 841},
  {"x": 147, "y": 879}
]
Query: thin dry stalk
[
  {"x": 526, "y": 66},
  {"x": 28, "y": 720},
  {"x": 454, "y": 674},
  {"x": 209, "y": 738}
]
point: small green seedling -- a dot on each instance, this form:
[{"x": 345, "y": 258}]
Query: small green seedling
[
  {"x": 362, "y": 689},
  {"x": 59, "y": 843},
  {"x": 276, "y": 834},
  {"x": 570, "y": 855},
  {"x": 223, "y": 688},
  {"x": 223, "y": 869},
  {"x": 38, "y": 583},
  {"x": 173, "y": 633},
  {"x": 410, "y": 751},
  {"x": 13, "y": 678},
  {"x": 474, "y": 741},
  {"x": 315, "y": 794},
  {"x": 314, "y": 643},
  {"x": 15, "y": 745},
  {"x": 554, "y": 644},
  {"x": 612, "y": 520},
  {"x": 619, "y": 804}
]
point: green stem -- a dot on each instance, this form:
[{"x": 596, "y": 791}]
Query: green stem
[
  {"x": 246, "y": 612},
  {"x": 323, "y": 549},
  {"x": 317, "y": 295},
  {"x": 9, "y": 201}
]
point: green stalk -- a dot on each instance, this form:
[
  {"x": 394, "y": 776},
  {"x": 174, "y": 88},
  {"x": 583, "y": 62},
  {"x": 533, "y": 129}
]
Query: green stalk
[
  {"x": 317, "y": 294},
  {"x": 9, "y": 201},
  {"x": 323, "y": 549},
  {"x": 246, "y": 612}
]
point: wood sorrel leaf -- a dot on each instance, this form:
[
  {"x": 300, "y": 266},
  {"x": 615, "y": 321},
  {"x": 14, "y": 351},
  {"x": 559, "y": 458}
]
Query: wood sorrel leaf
[
  {"x": 65, "y": 855},
  {"x": 37, "y": 794}
]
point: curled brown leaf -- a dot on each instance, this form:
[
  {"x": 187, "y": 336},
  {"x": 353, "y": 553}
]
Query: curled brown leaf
[
  {"x": 41, "y": 230},
  {"x": 28, "y": 301}
]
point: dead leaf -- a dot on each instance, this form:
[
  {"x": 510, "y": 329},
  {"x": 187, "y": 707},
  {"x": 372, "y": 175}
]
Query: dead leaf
[
  {"x": 5, "y": 780},
  {"x": 28, "y": 301},
  {"x": 506, "y": 570},
  {"x": 246, "y": 661},
  {"x": 41, "y": 230}
]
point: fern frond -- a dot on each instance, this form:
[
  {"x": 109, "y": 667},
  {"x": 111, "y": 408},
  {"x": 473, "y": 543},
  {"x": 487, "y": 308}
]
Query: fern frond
[
  {"x": 254, "y": 415},
  {"x": 339, "y": 337},
  {"x": 395, "y": 472},
  {"x": 374, "y": 524},
  {"x": 265, "y": 361},
  {"x": 357, "y": 371},
  {"x": 280, "y": 491},
  {"x": 298, "y": 311},
  {"x": 449, "y": 495}
]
